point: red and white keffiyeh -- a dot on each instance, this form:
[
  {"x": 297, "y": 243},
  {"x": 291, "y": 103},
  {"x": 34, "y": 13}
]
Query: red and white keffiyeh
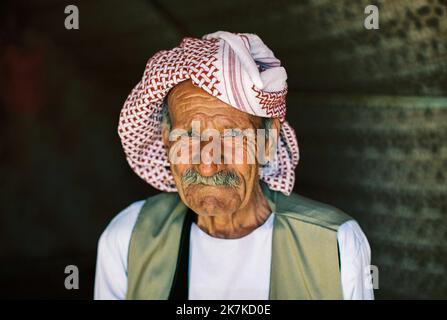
[{"x": 240, "y": 70}]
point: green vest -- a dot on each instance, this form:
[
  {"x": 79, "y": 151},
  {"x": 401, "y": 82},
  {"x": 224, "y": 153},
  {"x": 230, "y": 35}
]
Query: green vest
[{"x": 305, "y": 260}]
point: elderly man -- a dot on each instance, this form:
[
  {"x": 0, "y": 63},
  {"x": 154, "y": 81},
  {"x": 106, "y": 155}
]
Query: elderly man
[{"x": 224, "y": 227}]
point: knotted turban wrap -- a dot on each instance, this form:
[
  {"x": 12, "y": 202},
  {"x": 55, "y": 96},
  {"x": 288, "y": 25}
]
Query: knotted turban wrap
[{"x": 240, "y": 70}]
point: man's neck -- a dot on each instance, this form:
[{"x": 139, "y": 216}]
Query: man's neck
[{"x": 240, "y": 223}]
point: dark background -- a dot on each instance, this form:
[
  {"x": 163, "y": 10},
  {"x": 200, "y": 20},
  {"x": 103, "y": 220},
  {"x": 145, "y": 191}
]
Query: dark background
[{"x": 369, "y": 108}]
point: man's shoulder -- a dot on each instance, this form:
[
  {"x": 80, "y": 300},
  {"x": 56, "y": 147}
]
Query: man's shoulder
[
  {"x": 299, "y": 208},
  {"x": 122, "y": 224},
  {"x": 119, "y": 230},
  {"x": 127, "y": 218}
]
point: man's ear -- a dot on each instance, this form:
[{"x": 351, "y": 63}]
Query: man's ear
[{"x": 272, "y": 138}]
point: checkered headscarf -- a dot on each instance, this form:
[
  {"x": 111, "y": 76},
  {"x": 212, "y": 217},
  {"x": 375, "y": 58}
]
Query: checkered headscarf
[{"x": 240, "y": 70}]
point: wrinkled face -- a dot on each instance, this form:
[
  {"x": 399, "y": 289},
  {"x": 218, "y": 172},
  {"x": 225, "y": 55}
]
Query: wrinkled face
[{"x": 206, "y": 185}]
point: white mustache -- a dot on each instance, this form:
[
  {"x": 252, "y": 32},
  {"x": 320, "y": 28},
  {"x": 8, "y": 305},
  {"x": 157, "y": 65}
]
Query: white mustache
[{"x": 221, "y": 178}]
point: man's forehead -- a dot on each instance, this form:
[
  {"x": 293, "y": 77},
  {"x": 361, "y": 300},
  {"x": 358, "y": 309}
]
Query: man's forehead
[
  {"x": 187, "y": 98},
  {"x": 186, "y": 91}
]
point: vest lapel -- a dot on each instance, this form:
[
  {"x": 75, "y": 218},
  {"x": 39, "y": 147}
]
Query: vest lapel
[
  {"x": 304, "y": 261},
  {"x": 154, "y": 247}
]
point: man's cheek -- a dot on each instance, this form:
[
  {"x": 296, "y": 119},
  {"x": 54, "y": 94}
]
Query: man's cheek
[{"x": 178, "y": 169}]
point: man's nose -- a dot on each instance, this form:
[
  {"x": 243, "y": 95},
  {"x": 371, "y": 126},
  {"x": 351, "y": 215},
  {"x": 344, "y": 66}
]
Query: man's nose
[{"x": 207, "y": 166}]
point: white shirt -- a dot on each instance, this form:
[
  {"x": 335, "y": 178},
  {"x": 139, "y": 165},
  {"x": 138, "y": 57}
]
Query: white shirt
[
  {"x": 237, "y": 269},
  {"x": 226, "y": 268}
]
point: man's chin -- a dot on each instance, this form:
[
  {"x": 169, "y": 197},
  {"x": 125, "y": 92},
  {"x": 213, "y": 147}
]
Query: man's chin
[{"x": 212, "y": 200}]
